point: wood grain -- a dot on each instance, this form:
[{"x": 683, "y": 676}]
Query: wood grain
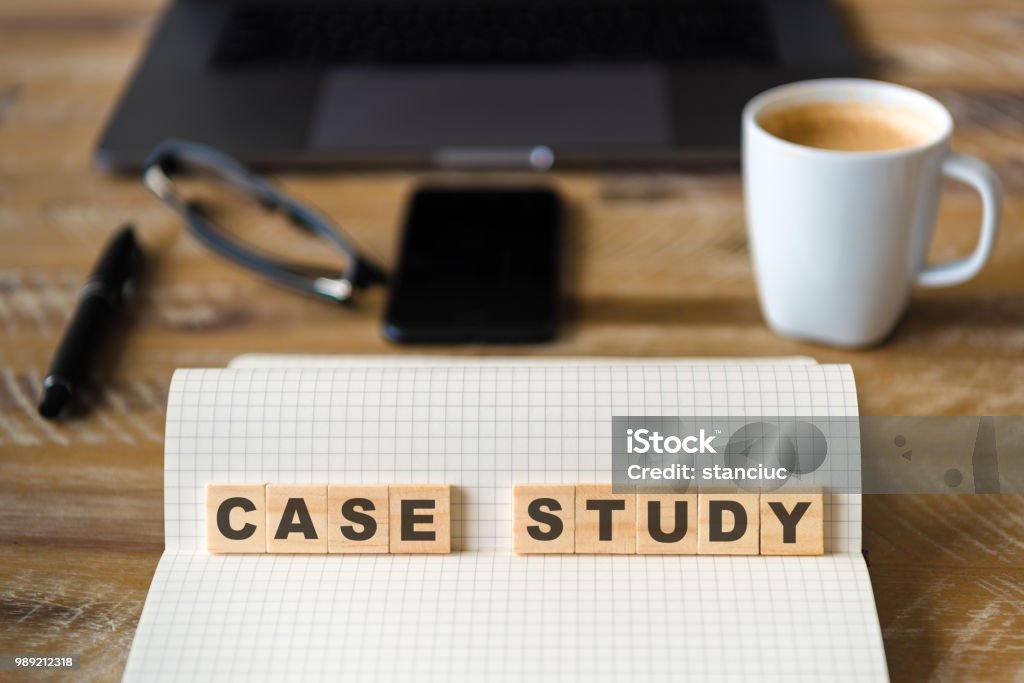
[{"x": 657, "y": 264}]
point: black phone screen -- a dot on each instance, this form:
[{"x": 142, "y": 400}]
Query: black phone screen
[{"x": 477, "y": 265}]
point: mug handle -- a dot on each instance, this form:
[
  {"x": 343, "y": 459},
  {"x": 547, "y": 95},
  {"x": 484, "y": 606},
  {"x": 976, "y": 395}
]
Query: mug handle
[{"x": 981, "y": 177}]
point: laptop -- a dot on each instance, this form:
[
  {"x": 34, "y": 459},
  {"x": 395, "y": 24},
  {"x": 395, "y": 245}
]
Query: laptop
[{"x": 467, "y": 83}]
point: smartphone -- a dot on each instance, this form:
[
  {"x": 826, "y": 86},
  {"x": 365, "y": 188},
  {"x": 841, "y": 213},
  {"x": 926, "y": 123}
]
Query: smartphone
[{"x": 477, "y": 265}]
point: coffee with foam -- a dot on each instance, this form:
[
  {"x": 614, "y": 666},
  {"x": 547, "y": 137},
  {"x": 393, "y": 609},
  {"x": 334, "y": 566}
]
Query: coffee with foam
[{"x": 848, "y": 126}]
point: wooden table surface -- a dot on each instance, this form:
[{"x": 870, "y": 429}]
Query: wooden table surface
[{"x": 657, "y": 266}]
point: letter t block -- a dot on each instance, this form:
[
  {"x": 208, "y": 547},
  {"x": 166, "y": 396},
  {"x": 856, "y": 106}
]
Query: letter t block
[{"x": 605, "y": 521}]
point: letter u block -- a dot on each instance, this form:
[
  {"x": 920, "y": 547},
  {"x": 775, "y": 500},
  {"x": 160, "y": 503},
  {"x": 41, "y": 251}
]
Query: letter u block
[{"x": 666, "y": 523}]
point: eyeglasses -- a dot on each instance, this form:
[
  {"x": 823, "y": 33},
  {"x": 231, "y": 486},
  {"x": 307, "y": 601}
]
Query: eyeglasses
[{"x": 180, "y": 158}]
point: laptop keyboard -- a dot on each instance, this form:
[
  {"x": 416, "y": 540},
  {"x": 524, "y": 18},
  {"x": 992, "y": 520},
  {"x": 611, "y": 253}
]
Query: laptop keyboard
[{"x": 493, "y": 32}]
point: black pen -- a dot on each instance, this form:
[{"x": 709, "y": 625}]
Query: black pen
[{"x": 102, "y": 299}]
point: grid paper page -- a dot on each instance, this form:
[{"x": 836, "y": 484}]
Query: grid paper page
[
  {"x": 304, "y": 360},
  {"x": 483, "y": 613}
]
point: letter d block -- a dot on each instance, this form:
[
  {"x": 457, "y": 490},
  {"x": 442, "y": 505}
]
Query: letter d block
[
  {"x": 728, "y": 523},
  {"x": 792, "y": 523},
  {"x": 605, "y": 521},
  {"x": 236, "y": 519},
  {"x": 297, "y": 518},
  {"x": 357, "y": 519},
  {"x": 544, "y": 518},
  {"x": 421, "y": 519}
]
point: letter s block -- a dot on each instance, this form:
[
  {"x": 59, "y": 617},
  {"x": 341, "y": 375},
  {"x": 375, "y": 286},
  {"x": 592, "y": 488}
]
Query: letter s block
[
  {"x": 420, "y": 518},
  {"x": 544, "y": 518},
  {"x": 236, "y": 518},
  {"x": 357, "y": 518}
]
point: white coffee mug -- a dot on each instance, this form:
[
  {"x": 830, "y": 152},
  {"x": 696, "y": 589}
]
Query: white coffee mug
[{"x": 839, "y": 238}]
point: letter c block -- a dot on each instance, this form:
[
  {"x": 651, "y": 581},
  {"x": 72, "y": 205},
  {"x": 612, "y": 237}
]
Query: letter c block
[{"x": 236, "y": 518}]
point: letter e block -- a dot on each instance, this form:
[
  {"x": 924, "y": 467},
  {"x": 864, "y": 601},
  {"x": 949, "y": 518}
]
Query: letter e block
[
  {"x": 296, "y": 518},
  {"x": 666, "y": 523},
  {"x": 357, "y": 519},
  {"x": 544, "y": 518},
  {"x": 605, "y": 521},
  {"x": 420, "y": 518},
  {"x": 236, "y": 518},
  {"x": 792, "y": 523},
  {"x": 727, "y": 523}
]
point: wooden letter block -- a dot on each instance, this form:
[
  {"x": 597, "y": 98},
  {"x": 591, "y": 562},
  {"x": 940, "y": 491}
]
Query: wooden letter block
[
  {"x": 420, "y": 518},
  {"x": 727, "y": 523},
  {"x": 544, "y": 518},
  {"x": 605, "y": 521},
  {"x": 793, "y": 523},
  {"x": 296, "y": 518},
  {"x": 236, "y": 520},
  {"x": 357, "y": 519},
  {"x": 666, "y": 523}
]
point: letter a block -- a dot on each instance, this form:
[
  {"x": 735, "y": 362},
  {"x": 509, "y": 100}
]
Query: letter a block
[
  {"x": 792, "y": 523},
  {"x": 605, "y": 521},
  {"x": 357, "y": 519},
  {"x": 544, "y": 518},
  {"x": 727, "y": 523},
  {"x": 666, "y": 523},
  {"x": 296, "y": 518},
  {"x": 420, "y": 518},
  {"x": 236, "y": 520}
]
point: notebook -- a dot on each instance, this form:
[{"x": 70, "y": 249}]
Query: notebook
[{"x": 483, "y": 613}]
